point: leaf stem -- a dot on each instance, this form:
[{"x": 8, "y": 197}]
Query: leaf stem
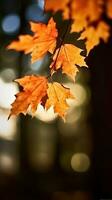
[{"x": 62, "y": 39}]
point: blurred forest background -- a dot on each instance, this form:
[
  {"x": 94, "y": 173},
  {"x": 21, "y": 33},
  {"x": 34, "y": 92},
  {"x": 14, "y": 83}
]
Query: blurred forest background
[{"x": 43, "y": 157}]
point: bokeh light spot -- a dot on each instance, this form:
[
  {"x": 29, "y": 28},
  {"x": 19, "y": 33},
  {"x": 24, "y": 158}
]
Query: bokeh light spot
[
  {"x": 46, "y": 116},
  {"x": 8, "y": 128},
  {"x": 8, "y": 90},
  {"x": 8, "y": 75},
  {"x": 36, "y": 65},
  {"x": 41, "y": 4},
  {"x": 35, "y": 13},
  {"x": 11, "y": 23},
  {"x": 8, "y": 163},
  {"x": 80, "y": 162}
]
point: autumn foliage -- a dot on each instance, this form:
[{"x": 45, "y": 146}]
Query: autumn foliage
[{"x": 85, "y": 17}]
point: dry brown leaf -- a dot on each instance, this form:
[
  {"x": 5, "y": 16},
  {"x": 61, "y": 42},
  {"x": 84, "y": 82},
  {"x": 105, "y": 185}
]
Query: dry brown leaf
[
  {"x": 67, "y": 57},
  {"x": 57, "y": 95}
]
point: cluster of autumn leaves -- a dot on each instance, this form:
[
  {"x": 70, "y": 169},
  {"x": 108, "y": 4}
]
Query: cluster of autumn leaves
[{"x": 85, "y": 17}]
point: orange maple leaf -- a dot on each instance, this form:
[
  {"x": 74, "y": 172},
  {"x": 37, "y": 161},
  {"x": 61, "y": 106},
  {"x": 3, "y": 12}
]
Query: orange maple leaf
[
  {"x": 85, "y": 12},
  {"x": 57, "y": 95},
  {"x": 57, "y": 5},
  {"x": 43, "y": 40},
  {"x": 34, "y": 90},
  {"x": 25, "y": 44},
  {"x": 46, "y": 41},
  {"x": 93, "y": 35},
  {"x": 67, "y": 57},
  {"x": 109, "y": 8}
]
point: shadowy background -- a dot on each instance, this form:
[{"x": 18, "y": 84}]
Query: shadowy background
[{"x": 44, "y": 157}]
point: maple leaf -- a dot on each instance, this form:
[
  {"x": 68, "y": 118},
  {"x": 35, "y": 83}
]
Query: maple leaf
[
  {"x": 67, "y": 57},
  {"x": 85, "y": 12},
  {"x": 57, "y": 95},
  {"x": 37, "y": 28},
  {"x": 93, "y": 35},
  {"x": 109, "y": 8},
  {"x": 57, "y": 5},
  {"x": 25, "y": 44},
  {"x": 34, "y": 90},
  {"x": 78, "y": 25},
  {"x": 42, "y": 41},
  {"x": 46, "y": 41}
]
